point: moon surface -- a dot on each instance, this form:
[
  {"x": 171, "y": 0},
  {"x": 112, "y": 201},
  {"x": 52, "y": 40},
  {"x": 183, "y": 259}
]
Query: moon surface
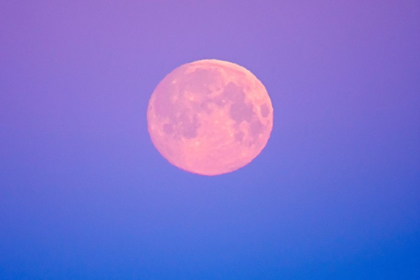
[{"x": 210, "y": 117}]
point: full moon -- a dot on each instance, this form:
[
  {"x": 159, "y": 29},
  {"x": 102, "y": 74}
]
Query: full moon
[{"x": 210, "y": 117}]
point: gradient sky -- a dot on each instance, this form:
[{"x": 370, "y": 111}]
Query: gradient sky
[{"x": 334, "y": 195}]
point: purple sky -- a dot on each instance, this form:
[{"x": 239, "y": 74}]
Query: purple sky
[{"x": 85, "y": 195}]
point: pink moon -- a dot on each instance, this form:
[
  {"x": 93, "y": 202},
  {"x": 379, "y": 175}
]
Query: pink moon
[{"x": 210, "y": 117}]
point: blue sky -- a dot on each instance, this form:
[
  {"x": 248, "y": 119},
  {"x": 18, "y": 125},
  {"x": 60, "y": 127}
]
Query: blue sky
[{"x": 334, "y": 195}]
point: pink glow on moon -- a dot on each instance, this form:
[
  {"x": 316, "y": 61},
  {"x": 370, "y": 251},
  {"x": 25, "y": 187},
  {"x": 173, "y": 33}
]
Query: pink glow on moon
[{"x": 210, "y": 117}]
